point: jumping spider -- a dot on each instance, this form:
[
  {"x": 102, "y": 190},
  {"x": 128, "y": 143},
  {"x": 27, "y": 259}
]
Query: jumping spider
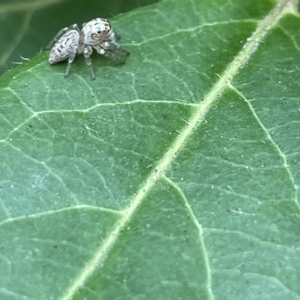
[{"x": 96, "y": 34}]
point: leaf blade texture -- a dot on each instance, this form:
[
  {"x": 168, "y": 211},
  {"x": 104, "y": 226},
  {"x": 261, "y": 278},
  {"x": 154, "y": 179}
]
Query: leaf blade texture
[{"x": 174, "y": 176}]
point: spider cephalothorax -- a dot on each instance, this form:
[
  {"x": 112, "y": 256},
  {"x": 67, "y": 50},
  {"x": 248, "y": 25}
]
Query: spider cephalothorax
[
  {"x": 96, "y": 34},
  {"x": 96, "y": 31}
]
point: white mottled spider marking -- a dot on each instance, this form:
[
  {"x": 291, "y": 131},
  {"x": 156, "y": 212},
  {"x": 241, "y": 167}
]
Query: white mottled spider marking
[
  {"x": 96, "y": 34},
  {"x": 96, "y": 31},
  {"x": 65, "y": 46}
]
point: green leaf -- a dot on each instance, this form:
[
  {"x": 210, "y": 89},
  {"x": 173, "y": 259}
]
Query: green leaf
[{"x": 174, "y": 176}]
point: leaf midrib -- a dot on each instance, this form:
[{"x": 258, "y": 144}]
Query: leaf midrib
[{"x": 196, "y": 119}]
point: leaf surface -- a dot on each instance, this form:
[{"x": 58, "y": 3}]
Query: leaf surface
[{"x": 174, "y": 176}]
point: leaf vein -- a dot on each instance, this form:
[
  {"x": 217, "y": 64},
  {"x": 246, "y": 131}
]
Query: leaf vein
[{"x": 276, "y": 146}]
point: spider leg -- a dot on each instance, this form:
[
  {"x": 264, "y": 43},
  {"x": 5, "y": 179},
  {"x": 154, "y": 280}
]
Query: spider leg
[
  {"x": 70, "y": 60},
  {"x": 114, "y": 46},
  {"x": 75, "y": 26},
  {"x": 108, "y": 54},
  {"x": 117, "y": 36},
  {"x": 57, "y": 37},
  {"x": 88, "y": 50},
  {"x": 61, "y": 33}
]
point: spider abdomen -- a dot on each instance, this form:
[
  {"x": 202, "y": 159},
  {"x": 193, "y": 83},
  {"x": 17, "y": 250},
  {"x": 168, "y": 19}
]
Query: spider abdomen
[{"x": 67, "y": 44}]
